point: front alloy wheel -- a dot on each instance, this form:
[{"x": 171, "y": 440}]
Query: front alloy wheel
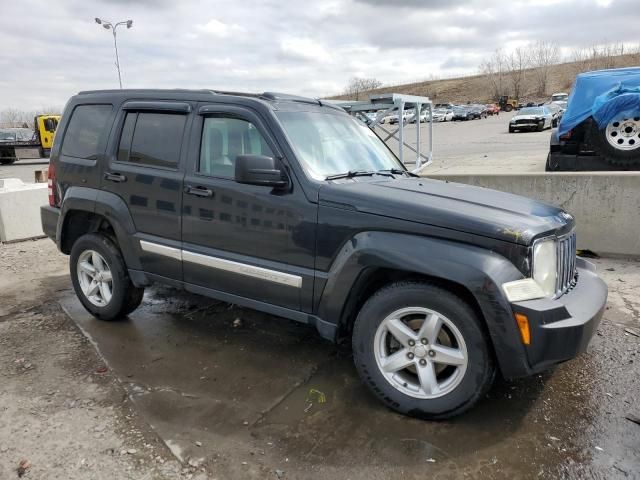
[{"x": 420, "y": 352}]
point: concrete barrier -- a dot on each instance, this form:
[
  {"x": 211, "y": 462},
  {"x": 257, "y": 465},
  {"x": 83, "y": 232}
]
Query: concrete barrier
[
  {"x": 606, "y": 205},
  {"x": 20, "y": 209}
]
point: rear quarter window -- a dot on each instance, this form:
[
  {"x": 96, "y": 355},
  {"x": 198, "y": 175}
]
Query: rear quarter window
[{"x": 87, "y": 131}]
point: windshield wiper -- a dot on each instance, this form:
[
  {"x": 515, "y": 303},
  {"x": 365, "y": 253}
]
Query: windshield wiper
[
  {"x": 351, "y": 174},
  {"x": 398, "y": 171}
]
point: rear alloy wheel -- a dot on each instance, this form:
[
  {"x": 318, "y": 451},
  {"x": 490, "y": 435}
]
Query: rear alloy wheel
[
  {"x": 619, "y": 142},
  {"x": 100, "y": 278},
  {"x": 422, "y": 351}
]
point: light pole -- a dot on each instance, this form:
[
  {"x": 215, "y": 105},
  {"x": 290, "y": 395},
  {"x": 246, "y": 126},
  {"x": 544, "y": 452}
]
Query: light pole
[{"x": 111, "y": 26}]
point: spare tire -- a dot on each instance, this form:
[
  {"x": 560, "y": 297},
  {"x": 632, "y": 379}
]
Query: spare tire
[{"x": 618, "y": 142}]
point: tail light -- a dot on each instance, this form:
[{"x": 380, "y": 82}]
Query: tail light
[
  {"x": 566, "y": 136},
  {"x": 51, "y": 182}
]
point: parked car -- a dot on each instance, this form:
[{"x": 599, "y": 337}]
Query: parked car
[
  {"x": 462, "y": 113},
  {"x": 531, "y": 118},
  {"x": 600, "y": 129},
  {"x": 253, "y": 199},
  {"x": 492, "y": 109},
  {"x": 406, "y": 117},
  {"x": 424, "y": 117},
  {"x": 559, "y": 97},
  {"x": 442, "y": 115},
  {"x": 556, "y": 113},
  {"x": 477, "y": 111}
]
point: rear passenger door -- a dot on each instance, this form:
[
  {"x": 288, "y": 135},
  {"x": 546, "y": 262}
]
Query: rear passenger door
[{"x": 145, "y": 168}]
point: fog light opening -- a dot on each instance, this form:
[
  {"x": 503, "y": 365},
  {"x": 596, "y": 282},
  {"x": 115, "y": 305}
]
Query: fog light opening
[{"x": 523, "y": 325}]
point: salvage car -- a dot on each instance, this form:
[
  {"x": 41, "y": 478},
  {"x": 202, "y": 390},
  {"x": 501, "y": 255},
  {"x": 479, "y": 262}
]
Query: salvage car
[
  {"x": 600, "y": 129},
  {"x": 290, "y": 206},
  {"x": 442, "y": 115},
  {"x": 462, "y": 113},
  {"x": 531, "y": 118}
]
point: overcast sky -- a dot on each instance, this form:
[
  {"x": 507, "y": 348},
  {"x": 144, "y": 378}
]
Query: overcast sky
[{"x": 53, "y": 49}]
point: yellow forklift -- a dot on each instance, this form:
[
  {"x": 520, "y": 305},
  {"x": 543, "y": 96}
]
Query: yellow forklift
[
  {"x": 508, "y": 103},
  {"x": 12, "y": 140}
]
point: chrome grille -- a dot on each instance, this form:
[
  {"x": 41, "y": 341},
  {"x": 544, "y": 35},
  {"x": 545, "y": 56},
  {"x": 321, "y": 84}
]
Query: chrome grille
[{"x": 566, "y": 263}]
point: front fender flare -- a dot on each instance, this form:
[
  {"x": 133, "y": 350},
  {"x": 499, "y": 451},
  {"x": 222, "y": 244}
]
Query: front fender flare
[{"x": 480, "y": 271}]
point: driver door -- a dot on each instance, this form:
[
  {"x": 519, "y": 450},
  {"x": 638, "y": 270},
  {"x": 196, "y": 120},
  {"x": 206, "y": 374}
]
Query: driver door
[{"x": 246, "y": 240}]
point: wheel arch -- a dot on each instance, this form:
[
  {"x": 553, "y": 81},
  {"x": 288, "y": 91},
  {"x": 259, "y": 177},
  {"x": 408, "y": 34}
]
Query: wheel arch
[
  {"x": 373, "y": 259},
  {"x": 86, "y": 210}
]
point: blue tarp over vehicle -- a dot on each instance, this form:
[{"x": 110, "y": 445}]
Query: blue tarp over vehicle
[{"x": 605, "y": 95}]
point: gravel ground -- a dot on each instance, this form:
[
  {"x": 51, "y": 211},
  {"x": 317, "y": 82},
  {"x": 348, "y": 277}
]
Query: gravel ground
[
  {"x": 63, "y": 413},
  {"x": 68, "y": 412}
]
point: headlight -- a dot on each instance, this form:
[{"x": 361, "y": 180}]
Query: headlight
[
  {"x": 543, "y": 280},
  {"x": 544, "y": 266}
]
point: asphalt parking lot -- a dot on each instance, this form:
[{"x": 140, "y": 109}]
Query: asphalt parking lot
[
  {"x": 232, "y": 393},
  {"x": 479, "y": 146}
]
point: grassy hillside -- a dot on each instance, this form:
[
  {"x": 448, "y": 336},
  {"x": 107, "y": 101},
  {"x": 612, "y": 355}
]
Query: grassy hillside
[{"x": 477, "y": 88}]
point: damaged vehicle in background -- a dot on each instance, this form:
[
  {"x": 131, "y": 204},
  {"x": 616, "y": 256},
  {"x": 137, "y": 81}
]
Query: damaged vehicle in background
[
  {"x": 442, "y": 115},
  {"x": 290, "y": 206},
  {"x": 531, "y": 118},
  {"x": 600, "y": 129}
]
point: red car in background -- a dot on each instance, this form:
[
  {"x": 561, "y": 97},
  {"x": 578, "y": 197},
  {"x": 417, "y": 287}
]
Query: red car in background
[{"x": 493, "y": 109}]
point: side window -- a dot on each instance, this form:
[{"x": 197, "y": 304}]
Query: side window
[
  {"x": 152, "y": 139},
  {"x": 223, "y": 139},
  {"x": 86, "y": 131}
]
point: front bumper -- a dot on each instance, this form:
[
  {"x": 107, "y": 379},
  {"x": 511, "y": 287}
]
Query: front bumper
[{"x": 562, "y": 328}]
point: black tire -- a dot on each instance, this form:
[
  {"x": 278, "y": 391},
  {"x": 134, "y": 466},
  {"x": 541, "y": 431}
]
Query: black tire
[
  {"x": 7, "y": 161},
  {"x": 126, "y": 297},
  {"x": 508, "y": 107},
  {"x": 540, "y": 127},
  {"x": 480, "y": 370},
  {"x": 511, "y": 129},
  {"x": 613, "y": 156}
]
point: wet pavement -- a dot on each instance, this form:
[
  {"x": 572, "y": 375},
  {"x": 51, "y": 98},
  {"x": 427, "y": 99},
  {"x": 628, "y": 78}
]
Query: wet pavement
[{"x": 255, "y": 396}]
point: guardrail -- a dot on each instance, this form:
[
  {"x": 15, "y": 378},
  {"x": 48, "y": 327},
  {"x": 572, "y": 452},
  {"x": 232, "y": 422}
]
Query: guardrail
[{"x": 606, "y": 205}]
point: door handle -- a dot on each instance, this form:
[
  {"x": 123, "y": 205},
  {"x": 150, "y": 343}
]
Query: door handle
[
  {"x": 115, "y": 177},
  {"x": 198, "y": 191}
]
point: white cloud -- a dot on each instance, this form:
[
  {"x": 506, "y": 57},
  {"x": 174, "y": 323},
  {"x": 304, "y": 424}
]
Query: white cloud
[
  {"x": 50, "y": 54},
  {"x": 304, "y": 48},
  {"x": 219, "y": 29}
]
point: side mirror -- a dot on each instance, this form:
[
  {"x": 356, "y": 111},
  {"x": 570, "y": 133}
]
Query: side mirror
[{"x": 259, "y": 170}]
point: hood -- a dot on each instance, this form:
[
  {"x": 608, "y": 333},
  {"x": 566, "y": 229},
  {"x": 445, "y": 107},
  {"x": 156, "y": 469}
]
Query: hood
[
  {"x": 527, "y": 117},
  {"x": 464, "y": 208}
]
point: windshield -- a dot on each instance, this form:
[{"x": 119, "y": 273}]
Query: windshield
[
  {"x": 16, "y": 135},
  {"x": 330, "y": 144},
  {"x": 532, "y": 111}
]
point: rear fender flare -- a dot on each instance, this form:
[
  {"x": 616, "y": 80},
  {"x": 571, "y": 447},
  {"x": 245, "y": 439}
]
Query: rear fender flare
[{"x": 111, "y": 207}]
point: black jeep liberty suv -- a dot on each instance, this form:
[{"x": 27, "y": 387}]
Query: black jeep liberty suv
[{"x": 290, "y": 206}]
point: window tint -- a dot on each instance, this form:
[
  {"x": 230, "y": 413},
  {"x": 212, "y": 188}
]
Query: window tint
[
  {"x": 223, "y": 139},
  {"x": 86, "y": 131},
  {"x": 152, "y": 139}
]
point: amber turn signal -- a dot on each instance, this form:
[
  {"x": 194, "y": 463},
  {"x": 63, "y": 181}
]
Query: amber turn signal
[{"x": 523, "y": 325}]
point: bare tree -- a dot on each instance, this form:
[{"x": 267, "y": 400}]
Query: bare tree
[
  {"x": 543, "y": 56},
  {"x": 518, "y": 61},
  {"x": 495, "y": 69},
  {"x": 10, "y": 117},
  {"x": 357, "y": 86}
]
